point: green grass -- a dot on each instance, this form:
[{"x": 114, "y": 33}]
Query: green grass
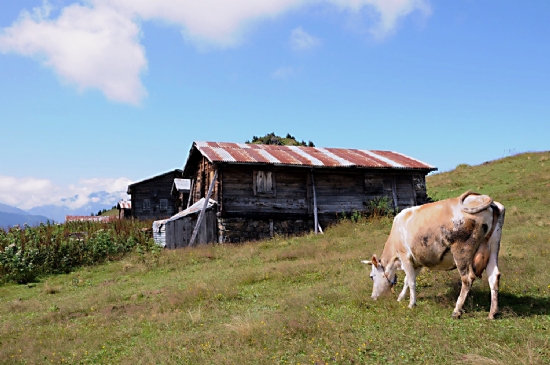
[{"x": 303, "y": 300}]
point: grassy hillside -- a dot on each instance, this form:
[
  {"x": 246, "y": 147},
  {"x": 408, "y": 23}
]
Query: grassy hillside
[{"x": 299, "y": 300}]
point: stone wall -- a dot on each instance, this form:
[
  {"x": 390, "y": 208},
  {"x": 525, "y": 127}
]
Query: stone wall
[{"x": 236, "y": 230}]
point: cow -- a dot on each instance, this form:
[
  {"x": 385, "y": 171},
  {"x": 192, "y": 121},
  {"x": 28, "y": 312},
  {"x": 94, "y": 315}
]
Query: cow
[{"x": 462, "y": 233}]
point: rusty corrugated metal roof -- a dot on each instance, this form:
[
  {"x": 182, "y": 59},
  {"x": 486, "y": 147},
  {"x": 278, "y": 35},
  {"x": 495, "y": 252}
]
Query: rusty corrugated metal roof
[
  {"x": 124, "y": 204},
  {"x": 217, "y": 152}
]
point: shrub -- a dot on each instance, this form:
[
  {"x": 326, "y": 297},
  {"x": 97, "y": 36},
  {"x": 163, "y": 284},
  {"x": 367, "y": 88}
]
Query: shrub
[
  {"x": 381, "y": 206},
  {"x": 26, "y": 254}
]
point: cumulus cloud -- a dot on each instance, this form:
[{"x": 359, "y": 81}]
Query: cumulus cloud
[
  {"x": 96, "y": 43},
  {"x": 301, "y": 40},
  {"x": 29, "y": 192},
  {"x": 90, "y": 46}
]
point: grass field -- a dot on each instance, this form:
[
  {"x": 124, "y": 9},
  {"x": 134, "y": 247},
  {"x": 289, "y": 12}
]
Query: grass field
[{"x": 303, "y": 300}]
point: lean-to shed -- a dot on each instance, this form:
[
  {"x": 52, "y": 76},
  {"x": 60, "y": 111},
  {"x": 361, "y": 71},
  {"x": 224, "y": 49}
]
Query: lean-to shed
[
  {"x": 179, "y": 228},
  {"x": 152, "y": 199},
  {"x": 264, "y": 190},
  {"x": 124, "y": 209}
]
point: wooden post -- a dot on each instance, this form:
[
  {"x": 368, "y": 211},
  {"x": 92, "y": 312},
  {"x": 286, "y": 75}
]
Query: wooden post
[
  {"x": 315, "y": 217},
  {"x": 394, "y": 193},
  {"x": 413, "y": 191},
  {"x": 201, "y": 215},
  {"x": 190, "y": 193}
]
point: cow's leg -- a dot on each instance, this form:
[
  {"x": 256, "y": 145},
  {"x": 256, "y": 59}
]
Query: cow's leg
[
  {"x": 467, "y": 277},
  {"x": 494, "y": 279},
  {"x": 492, "y": 266},
  {"x": 405, "y": 288},
  {"x": 409, "y": 282},
  {"x": 406, "y": 285}
]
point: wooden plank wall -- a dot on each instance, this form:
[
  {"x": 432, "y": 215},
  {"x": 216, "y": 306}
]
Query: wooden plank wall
[
  {"x": 337, "y": 190},
  {"x": 291, "y": 196},
  {"x": 146, "y": 190},
  {"x": 179, "y": 231},
  {"x": 202, "y": 178}
]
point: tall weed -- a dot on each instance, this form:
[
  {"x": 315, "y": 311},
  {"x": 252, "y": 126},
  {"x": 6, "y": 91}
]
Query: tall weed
[{"x": 29, "y": 252}]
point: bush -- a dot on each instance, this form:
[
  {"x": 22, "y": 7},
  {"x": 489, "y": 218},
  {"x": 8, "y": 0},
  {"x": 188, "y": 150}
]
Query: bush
[
  {"x": 26, "y": 254},
  {"x": 381, "y": 206}
]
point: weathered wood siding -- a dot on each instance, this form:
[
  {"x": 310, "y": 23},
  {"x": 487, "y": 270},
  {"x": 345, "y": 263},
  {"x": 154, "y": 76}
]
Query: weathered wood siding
[
  {"x": 200, "y": 182},
  {"x": 154, "y": 191},
  {"x": 339, "y": 191},
  {"x": 289, "y": 195}
]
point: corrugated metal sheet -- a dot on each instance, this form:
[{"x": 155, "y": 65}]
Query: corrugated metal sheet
[
  {"x": 159, "y": 232},
  {"x": 123, "y": 204},
  {"x": 182, "y": 184},
  {"x": 193, "y": 209},
  {"x": 217, "y": 152}
]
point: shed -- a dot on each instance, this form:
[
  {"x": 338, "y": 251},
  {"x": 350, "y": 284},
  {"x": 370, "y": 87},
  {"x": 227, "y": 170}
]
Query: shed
[
  {"x": 152, "y": 199},
  {"x": 179, "y": 228},
  {"x": 124, "y": 209},
  {"x": 264, "y": 190}
]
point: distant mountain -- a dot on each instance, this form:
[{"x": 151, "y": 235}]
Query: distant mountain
[
  {"x": 9, "y": 209},
  {"x": 98, "y": 201},
  {"x": 11, "y": 219}
]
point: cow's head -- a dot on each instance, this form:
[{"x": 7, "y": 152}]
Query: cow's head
[{"x": 383, "y": 278}]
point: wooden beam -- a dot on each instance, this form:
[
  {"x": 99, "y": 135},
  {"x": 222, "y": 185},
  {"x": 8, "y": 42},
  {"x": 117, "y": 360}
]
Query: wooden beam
[
  {"x": 394, "y": 193},
  {"x": 315, "y": 217},
  {"x": 201, "y": 215},
  {"x": 190, "y": 193},
  {"x": 413, "y": 190}
]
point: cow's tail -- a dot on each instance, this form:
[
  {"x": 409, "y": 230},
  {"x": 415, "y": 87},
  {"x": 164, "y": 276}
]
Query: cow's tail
[
  {"x": 481, "y": 257},
  {"x": 476, "y": 204}
]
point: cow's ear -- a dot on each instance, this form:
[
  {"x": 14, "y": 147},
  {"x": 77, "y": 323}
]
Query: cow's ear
[
  {"x": 367, "y": 262},
  {"x": 374, "y": 261}
]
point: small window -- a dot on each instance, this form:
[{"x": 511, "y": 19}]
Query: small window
[
  {"x": 264, "y": 183},
  {"x": 164, "y": 204},
  {"x": 146, "y": 205}
]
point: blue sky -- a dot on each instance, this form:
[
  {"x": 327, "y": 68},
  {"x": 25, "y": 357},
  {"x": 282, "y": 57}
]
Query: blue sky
[{"x": 96, "y": 94}]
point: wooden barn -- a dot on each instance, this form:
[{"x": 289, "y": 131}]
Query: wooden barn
[
  {"x": 152, "y": 198},
  {"x": 263, "y": 190}
]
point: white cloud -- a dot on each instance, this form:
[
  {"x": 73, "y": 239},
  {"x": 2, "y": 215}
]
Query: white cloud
[
  {"x": 283, "y": 73},
  {"x": 301, "y": 40},
  {"x": 388, "y": 12},
  {"x": 96, "y": 45},
  {"x": 26, "y": 193},
  {"x": 91, "y": 47}
]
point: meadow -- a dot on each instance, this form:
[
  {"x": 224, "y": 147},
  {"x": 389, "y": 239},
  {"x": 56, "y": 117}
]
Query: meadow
[{"x": 298, "y": 300}]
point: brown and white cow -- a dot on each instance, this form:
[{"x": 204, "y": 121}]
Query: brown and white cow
[{"x": 462, "y": 233}]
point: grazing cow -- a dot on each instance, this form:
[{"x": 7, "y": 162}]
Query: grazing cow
[{"x": 462, "y": 233}]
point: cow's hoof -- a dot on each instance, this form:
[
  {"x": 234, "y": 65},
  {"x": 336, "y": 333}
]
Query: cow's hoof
[{"x": 456, "y": 315}]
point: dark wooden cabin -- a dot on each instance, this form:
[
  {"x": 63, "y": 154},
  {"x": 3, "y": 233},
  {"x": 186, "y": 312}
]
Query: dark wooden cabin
[
  {"x": 264, "y": 190},
  {"x": 152, "y": 199}
]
